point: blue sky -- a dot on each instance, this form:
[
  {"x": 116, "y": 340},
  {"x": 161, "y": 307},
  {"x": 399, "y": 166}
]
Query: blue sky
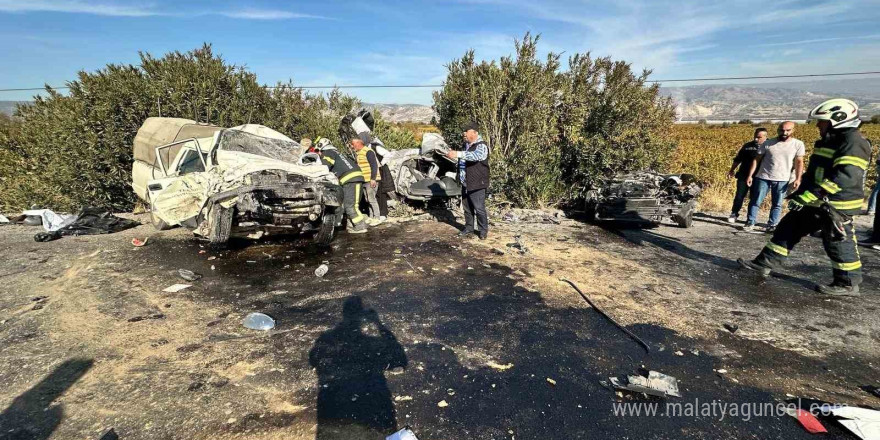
[{"x": 409, "y": 42}]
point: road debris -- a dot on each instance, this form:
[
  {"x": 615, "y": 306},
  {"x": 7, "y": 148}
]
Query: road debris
[
  {"x": 322, "y": 270},
  {"x": 89, "y": 221},
  {"x": 496, "y": 366},
  {"x": 595, "y": 307},
  {"x": 551, "y": 381},
  {"x": 145, "y": 317},
  {"x": 174, "y": 288},
  {"x": 863, "y": 422},
  {"x": 258, "y": 321},
  {"x": 402, "y": 398},
  {"x": 656, "y": 384},
  {"x": 872, "y": 390},
  {"x": 404, "y": 434},
  {"x": 188, "y": 275},
  {"x": 138, "y": 243},
  {"x": 731, "y": 327},
  {"x": 3, "y": 220},
  {"x": 442, "y": 404},
  {"x": 810, "y": 423}
]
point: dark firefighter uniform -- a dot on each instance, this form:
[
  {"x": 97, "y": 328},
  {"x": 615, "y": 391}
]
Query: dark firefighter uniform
[
  {"x": 351, "y": 179},
  {"x": 831, "y": 192}
]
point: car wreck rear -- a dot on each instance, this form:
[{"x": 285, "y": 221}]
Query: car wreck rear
[
  {"x": 244, "y": 181},
  {"x": 645, "y": 197}
]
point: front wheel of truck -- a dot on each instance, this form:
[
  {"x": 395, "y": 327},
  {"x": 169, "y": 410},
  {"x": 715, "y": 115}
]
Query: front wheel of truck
[
  {"x": 220, "y": 225},
  {"x": 327, "y": 229}
]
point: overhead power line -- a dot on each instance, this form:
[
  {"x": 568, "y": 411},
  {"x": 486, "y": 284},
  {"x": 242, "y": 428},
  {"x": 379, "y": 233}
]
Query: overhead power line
[{"x": 414, "y": 86}]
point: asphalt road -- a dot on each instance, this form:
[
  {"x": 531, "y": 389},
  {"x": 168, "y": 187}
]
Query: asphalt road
[{"x": 412, "y": 326}]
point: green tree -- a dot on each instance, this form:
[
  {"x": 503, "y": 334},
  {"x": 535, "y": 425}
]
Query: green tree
[{"x": 72, "y": 150}]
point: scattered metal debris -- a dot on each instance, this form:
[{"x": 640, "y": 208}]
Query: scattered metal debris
[
  {"x": 258, "y": 321},
  {"x": 656, "y": 384},
  {"x": 595, "y": 307},
  {"x": 189, "y": 275}
]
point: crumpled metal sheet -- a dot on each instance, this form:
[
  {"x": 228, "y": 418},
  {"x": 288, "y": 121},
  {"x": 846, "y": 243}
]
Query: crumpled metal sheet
[{"x": 656, "y": 384}]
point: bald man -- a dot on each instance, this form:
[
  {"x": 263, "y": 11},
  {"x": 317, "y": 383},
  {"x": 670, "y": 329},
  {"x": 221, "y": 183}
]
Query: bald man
[{"x": 777, "y": 157}]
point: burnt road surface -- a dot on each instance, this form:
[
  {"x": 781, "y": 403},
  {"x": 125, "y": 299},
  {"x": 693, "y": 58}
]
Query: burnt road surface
[{"x": 412, "y": 326}]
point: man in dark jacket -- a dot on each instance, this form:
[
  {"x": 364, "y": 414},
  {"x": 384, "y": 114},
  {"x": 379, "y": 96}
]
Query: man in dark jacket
[
  {"x": 473, "y": 172},
  {"x": 744, "y": 158},
  {"x": 351, "y": 179},
  {"x": 832, "y": 192}
]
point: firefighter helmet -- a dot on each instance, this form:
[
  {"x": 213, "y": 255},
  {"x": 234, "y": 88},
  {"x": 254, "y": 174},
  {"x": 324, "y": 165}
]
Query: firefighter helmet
[{"x": 840, "y": 112}]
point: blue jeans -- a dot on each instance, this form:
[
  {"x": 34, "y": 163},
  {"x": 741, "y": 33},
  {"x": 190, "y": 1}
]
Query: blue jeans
[
  {"x": 760, "y": 188},
  {"x": 872, "y": 201},
  {"x": 742, "y": 189}
]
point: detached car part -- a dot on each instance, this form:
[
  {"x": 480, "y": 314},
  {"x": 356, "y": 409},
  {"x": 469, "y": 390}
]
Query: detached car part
[
  {"x": 420, "y": 174},
  {"x": 645, "y": 197}
]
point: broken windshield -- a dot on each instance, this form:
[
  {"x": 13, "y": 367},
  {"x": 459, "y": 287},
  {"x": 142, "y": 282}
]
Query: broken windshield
[{"x": 278, "y": 149}]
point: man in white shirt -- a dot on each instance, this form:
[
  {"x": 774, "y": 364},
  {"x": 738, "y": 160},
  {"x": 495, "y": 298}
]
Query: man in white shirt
[{"x": 777, "y": 157}]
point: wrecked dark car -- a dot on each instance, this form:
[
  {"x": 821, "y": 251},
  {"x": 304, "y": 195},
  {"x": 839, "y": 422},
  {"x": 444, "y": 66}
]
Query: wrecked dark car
[
  {"x": 242, "y": 181},
  {"x": 420, "y": 174},
  {"x": 644, "y": 197}
]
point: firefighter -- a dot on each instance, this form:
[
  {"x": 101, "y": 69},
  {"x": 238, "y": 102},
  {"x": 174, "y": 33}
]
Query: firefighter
[
  {"x": 831, "y": 194},
  {"x": 350, "y": 178}
]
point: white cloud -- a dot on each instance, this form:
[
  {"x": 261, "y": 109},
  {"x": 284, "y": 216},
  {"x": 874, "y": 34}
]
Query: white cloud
[
  {"x": 266, "y": 14},
  {"x": 77, "y": 7},
  {"x": 143, "y": 10}
]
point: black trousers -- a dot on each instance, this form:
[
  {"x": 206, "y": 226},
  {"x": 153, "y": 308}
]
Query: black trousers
[
  {"x": 382, "y": 198},
  {"x": 875, "y": 236},
  {"x": 844, "y": 255},
  {"x": 742, "y": 190},
  {"x": 474, "y": 203}
]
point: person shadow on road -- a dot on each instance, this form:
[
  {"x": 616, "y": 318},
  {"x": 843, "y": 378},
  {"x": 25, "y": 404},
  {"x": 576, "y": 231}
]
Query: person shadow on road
[{"x": 351, "y": 359}]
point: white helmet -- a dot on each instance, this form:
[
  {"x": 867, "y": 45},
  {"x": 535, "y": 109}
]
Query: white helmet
[
  {"x": 840, "y": 112},
  {"x": 323, "y": 143}
]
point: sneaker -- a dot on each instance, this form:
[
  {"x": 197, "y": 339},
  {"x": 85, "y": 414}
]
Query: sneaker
[
  {"x": 754, "y": 267},
  {"x": 751, "y": 228},
  {"x": 731, "y": 219},
  {"x": 483, "y": 236},
  {"x": 769, "y": 229},
  {"x": 838, "y": 290},
  {"x": 465, "y": 233}
]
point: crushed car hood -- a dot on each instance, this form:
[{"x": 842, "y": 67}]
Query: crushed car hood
[{"x": 232, "y": 164}]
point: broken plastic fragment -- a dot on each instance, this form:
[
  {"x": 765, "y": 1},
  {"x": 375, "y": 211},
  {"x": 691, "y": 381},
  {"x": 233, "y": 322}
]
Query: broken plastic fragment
[
  {"x": 656, "y": 384},
  {"x": 174, "y": 288},
  {"x": 403, "y": 434},
  {"x": 808, "y": 421},
  {"x": 258, "y": 321},
  {"x": 442, "y": 404},
  {"x": 551, "y": 381},
  {"x": 138, "y": 243}
]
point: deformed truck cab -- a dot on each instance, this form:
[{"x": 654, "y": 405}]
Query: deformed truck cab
[{"x": 242, "y": 181}]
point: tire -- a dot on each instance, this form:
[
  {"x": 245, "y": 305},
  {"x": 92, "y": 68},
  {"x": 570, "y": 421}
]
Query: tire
[
  {"x": 221, "y": 225},
  {"x": 686, "y": 219},
  {"x": 158, "y": 223},
  {"x": 327, "y": 230}
]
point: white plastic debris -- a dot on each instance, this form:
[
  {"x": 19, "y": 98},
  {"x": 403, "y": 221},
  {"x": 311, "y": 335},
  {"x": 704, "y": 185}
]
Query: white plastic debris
[
  {"x": 321, "y": 270},
  {"x": 258, "y": 321},
  {"x": 174, "y": 288},
  {"x": 3, "y": 220},
  {"x": 51, "y": 221},
  {"x": 403, "y": 434},
  {"x": 865, "y": 423}
]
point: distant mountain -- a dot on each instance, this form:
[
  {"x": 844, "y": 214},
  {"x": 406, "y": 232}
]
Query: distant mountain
[
  {"x": 8, "y": 107},
  {"x": 404, "y": 112},
  {"x": 759, "y": 102}
]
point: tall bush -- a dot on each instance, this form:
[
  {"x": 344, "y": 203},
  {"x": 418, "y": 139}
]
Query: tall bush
[
  {"x": 67, "y": 151},
  {"x": 552, "y": 131}
]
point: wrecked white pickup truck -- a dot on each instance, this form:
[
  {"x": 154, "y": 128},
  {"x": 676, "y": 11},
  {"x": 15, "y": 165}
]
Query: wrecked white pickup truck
[{"x": 248, "y": 180}]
